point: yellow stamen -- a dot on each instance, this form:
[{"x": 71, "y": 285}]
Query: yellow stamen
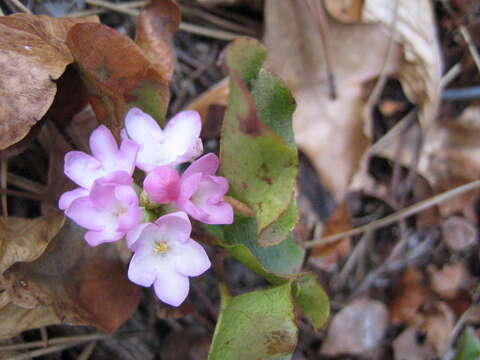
[
  {"x": 160, "y": 247},
  {"x": 122, "y": 211}
]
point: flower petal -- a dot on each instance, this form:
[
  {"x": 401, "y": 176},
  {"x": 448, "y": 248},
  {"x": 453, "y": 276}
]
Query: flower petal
[
  {"x": 68, "y": 197},
  {"x": 162, "y": 184},
  {"x": 102, "y": 196},
  {"x": 126, "y": 157},
  {"x": 130, "y": 219},
  {"x": 94, "y": 238},
  {"x": 126, "y": 195},
  {"x": 207, "y": 165},
  {"x": 103, "y": 146},
  {"x": 174, "y": 227},
  {"x": 171, "y": 287},
  {"x": 134, "y": 234},
  {"x": 84, "y": 212},
  {"x": 190, "y": 258},
  {"x": 182, "y": 135},
  {"x": 140, "y": 273},
  {"x": 82, "y": 169},
  {"x": 189, "y": 185}
]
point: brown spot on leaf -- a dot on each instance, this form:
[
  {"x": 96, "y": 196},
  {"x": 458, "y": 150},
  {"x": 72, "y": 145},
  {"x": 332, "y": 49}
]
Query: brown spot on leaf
[{"x": 279, "y": 342}]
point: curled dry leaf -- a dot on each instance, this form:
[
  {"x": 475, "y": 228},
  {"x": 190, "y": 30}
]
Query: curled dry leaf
[
  {"x": 438, "y": 328},
  {"x": 407, "y": 347},
  {"x": 157, "y": 23},
  {"x": 347, "y": 11},
  {"x": 326, "y": 256},
  {"x": 451, "y": 157},
  {"x": 357, "y": 329},
  {"x": 32, "y": 55},
  {"x": 412, "y": 294},
  {"x": 447, "y": 281},
  {"x": 70, "y": 283},
  {"x": 459, "y": 233},
  {"x": 331, "y": 132}
]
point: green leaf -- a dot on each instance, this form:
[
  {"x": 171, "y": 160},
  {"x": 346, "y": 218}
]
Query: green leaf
[
  {"x": 256, "y": 325},
  {"x": 257, "y": 150},
  {"x": 312, "y": 299},
  {"x": 276, "y": 263},
  {"x": 469, "y": 348}
]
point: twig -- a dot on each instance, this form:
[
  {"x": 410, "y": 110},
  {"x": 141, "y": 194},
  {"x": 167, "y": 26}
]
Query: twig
[
  {"x": 192, "y": 28},
  {"x": 54, "y": 341},
  {"x": 44, "y": 336},
  {"x": 221, "y": 22},
  {"x": 3, "y": 184},
  {"x": 451, "y": 74},
  {"x": 401, "y": 214},
  {"x": 26, "y": 184},
  {"x": 468, "y": 93},
  {"x": 128, "y": 5},
  {"x": 87, "y": 351},
  {"x": 316, "y": 7},
  {"x": 22, "y": 194},
  {"x": 471, "y": 45},
  {"x": 45, "y": 351},
  {"x": 20, "y": 6}
]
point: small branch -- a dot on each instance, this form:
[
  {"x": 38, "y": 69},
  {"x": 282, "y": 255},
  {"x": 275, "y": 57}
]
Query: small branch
[
  {"x": 129, "y": 5},
  {"x": 468, "y": 93},
  {"x": 20, "y": 6},
  {"x": 87, "y": 351},
  {"x": 22, "y": 194},
  {"x": 26, "y": 184},
  {"x": 54, "y": 341},
  {"x": 408, "y": 211}
]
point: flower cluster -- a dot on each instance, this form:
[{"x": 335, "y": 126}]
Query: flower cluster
[{"x": 107, "y": 204}]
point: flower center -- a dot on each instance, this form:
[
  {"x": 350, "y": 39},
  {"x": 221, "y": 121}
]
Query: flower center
[
  {"x": 160, "y": 247},
  {"x": 122, "y": 211}
]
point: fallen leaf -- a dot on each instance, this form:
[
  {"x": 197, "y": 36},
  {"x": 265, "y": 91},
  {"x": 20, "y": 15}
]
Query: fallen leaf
[
  {"x": 407, "y": 347},
  {"x": 332, "y": 132},
  {"x": 438, "y": 328},
  {"x": 447, "y": 281},
  {"x": 78, "y": 284},
  {"x": 329, "y": 132},
  {"x": 32, "y": 55},
  {"x": 186, "y": 345},
  {"x": 451, "y": 157},
  {"x": 459, "y": 233},
  {"x": 326, "y": 256},
  {"x": 411, "y": 295},
  {"x": 357, "y": 329},
  {"x": 156, "y": 25},
  {"x": 346, "y": 11},
  {"x": 26, "y": 239},
  {"x": 117, "y": 75}
]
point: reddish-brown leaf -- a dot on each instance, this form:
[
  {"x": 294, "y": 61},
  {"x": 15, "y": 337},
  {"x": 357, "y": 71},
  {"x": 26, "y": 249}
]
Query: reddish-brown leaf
[
  {"x": 117, "y": 75},
  {"x": 157, "y": 23}
]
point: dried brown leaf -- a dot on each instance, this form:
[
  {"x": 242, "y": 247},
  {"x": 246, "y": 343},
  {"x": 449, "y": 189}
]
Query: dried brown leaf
[
  {"x": 32, "y": 55},
  {"x": 406, "y": 346},
  {"x": 346, "y": 11},
  {"x": 325, "y": 256},
  {"x": 329, "y": 132},
  {"x": 459, "y": 233},
  {"x": 438, "y": 328},
  {"x": 157, "y": 23},
  {"x": 79, "y": 284},
  {"x": 446, "y": 282},
  {"x": 357, "y": 329},
  {"x": 117, "y": 75},
  {"x": 26, "y": 239},
  {"x": 411, "y": 295}
]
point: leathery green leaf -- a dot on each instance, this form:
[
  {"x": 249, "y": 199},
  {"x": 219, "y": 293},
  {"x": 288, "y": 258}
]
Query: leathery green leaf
[
  {"x": 258, "y": 154},
  {"x": 256, "y": 325}
]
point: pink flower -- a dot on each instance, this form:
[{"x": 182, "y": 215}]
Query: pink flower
[
  {"x": 197, "y": 191},
  {"x": 84, "y": 169},
  {"x": 109, "y": 211},
  {"x": 179, "y": 142},
  {"x": 165, "y": 256}
]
